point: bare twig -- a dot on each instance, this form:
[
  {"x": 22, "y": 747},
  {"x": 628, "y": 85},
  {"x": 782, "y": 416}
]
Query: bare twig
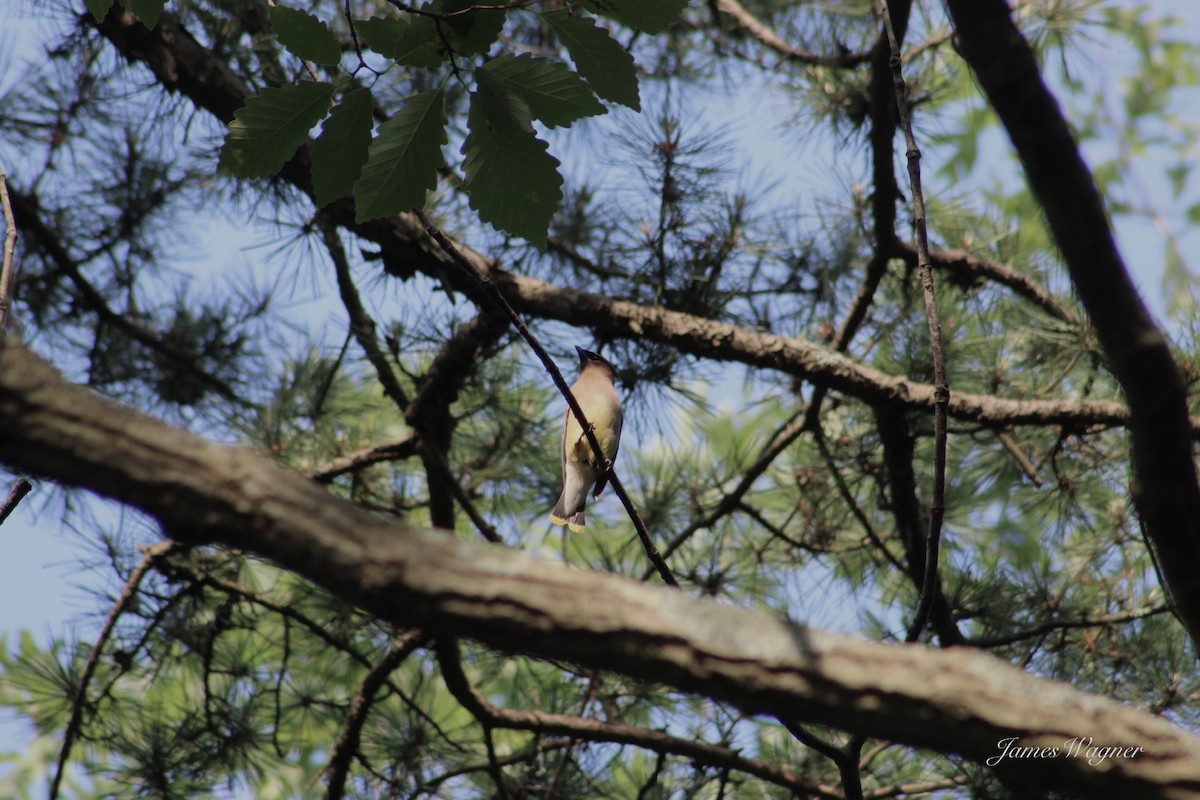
[
  {"x": 450, "y": 660},
  {"x": 963, "y": 261},
  {"x": 588, "y": 695},
  {"x": 360, "y": 706},
  {"x": 1021, "y": 457},
  {"x": 1049, "y": 626},
  {"x": 26, "y": 206},
  {"x": 150, "y": 557},
  {"x": 593, "y": 730},
  {"x": 21, "y": 488},
  {"x": 394, "y": 450},
  {"x": 941, "y": 395},
  {"x": 770, "y": 39},
  {"x": 361, "y": 324},
  {"x": 7, "y": 273},
  {"x": 491, "y": 289}
]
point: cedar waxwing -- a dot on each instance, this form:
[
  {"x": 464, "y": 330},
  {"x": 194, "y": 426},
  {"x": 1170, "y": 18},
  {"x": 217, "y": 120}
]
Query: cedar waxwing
[{"x": 597, "y": 396}]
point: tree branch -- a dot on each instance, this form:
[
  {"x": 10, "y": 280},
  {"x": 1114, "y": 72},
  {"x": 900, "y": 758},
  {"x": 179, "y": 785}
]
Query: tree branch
[
  {"x": 152, "y": 555},
  {"x": 963, "y": 262},
  {"x": 1165, "y": 489},
  {"x": 494, "y": 295},
  {"x": 7, "y": 270},
  {"x": 770, "y": 39},
  {"x": 958, "y": 700},
  {"x": 188, "y": 67},
  {"x": 930, "y": 587},
  {"x": 347, "y": 744},
  {"x": 16, "y": 494}
]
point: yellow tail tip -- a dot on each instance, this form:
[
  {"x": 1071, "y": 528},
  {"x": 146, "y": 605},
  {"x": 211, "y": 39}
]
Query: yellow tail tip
[{"x": 572, "y": 525}]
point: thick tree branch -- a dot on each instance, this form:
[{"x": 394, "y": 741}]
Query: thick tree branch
[
  {"x": 189, "y": 68},
  {"x": 1165, "y": 488},
  {"x": 957, "y": 701}
]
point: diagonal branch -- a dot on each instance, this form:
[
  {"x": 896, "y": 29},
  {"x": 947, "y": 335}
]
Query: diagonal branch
[
  {"x": 152, "y": 555},
  {"x": 183, "y": 64},
  {"x": 770, "y": 39},
  {"x": 497, "y": 297},
  {"x": 956, "y": 700},
  {"x": 28, "y": 212},
  {"x": 1165, "y": 488},
  {"x": 347, "y": 744},
  {"x": 965, "y": 263},
  {"x": 591, "y": 730}
]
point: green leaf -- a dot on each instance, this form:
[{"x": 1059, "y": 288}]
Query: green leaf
[
  {"x": 268, "y": 130},
  {"x": 503, "y": 105},
  {"x": 553, "y": 94},
  {"x": 403, "y": 160},
  {"x": 423, "y": 41},
  {"x": 412, "y": 42},
  {"x": 651, "y": 16},
  {"x": 607, "y": 66},
  {"x": 148, "y": 11},
  {"x": 99, "y": 8},
  {"x": 305, "y": 35},
  {"x": 474, "y": 31},
  {"x": 341, "y": 150},
  {"x": 511, "y": 181}
]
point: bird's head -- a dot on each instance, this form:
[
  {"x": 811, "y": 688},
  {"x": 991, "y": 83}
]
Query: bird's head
[{"x": 590, "y": 360}]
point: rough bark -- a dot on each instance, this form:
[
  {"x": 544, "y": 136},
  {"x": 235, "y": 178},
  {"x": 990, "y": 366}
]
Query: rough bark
[{"x": 955, "y": 701}]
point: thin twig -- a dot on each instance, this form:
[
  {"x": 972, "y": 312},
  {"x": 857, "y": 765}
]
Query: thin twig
[
  {"x": 361, "y": 324},
  {"x": 941, "y": 391},
  {"x": 1021, "y": 457},
  {"x": 7, "y": 274},
  {"x": 1049, "y": 626},
  {"x": 152, "y": 554},
  {"x": 393, "y": 450},
  {"x": 450, "y": 660},
  {"x": 347, "y": 743},
  {"x": 588, "y": 695},
  {"x": 491, "y": 289},
  {"x": 770, "y": 39},
  {"x": 288, "y": 610},
  {"x": 594, "y": 730},
  {"x": 21, "y": 488}
]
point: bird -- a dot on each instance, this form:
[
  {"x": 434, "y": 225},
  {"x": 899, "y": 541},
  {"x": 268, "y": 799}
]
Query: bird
[{"x": 596, "y": 392}]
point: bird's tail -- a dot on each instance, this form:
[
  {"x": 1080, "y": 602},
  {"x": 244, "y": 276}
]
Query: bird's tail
[{"x": 574, "y": 520}]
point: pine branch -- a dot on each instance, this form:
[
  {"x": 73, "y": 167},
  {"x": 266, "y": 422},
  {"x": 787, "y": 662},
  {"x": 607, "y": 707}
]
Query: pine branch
[{"x": 206, "y": 493}]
